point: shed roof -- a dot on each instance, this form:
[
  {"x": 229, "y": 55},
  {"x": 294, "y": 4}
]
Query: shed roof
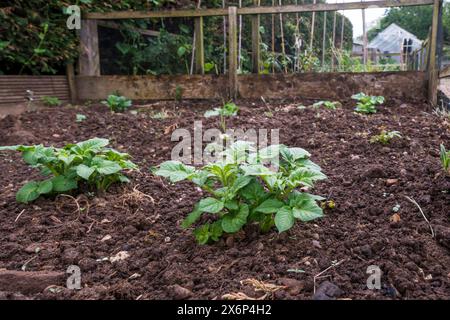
[{"x": 391, "y": 39}]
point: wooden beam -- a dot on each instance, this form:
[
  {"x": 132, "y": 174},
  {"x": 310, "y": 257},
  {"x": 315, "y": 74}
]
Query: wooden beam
[
  {"x": 70, "y": 73},
  {"x": 256, "y": 10},
  {"x": 199, "y": 46},
  {"x": 256, "y": 55},
  {"x": 117, "y": 26},
  {"x": 324, "y": 36},
  {"x": 313, "y": 22},
  {"x": 232, "y": 52},
  {"x": 89, "y": 61},
  {"x": 432, "y": 67}
]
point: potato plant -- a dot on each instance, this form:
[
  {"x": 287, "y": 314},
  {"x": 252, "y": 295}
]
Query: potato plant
[
  {"x": 88, "y": 162},
  {"x": 117, "y": 103},
  {"x": 385, "y": 137},
  {"x": 229, "y": 109},
  {"x": 367, "y": 104},
  {"x": 332, "y": 105},
  {"x": 445, "y": 159},
  {"x": 242, "y": 188},
  {"x": 50, "y": 101}
]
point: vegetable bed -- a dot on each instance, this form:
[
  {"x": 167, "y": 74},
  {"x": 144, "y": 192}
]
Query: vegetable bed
[{"x": 129, "y": 243}]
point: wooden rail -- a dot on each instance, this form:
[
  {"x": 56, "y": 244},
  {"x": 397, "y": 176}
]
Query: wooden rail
[{"x": 255, "y": 10}]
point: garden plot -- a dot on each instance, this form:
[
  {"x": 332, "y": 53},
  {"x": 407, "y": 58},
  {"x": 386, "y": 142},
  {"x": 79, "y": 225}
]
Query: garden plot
[{"x": 129, "y": 242}]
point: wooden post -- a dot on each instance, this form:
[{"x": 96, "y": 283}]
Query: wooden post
[
  {"x": 256, "y": 55},
  {"x": 89, "y": 62},
  {"x": 313, "y": 22},
  {"x": 70, "y": 73},
  {"x": 342, "y": 31},
  {"x": 324, "y": 37},
  {"x": 199, "y": 47},
  {"x": 432, "y": 67},
  {"x": 334, "y": 41},
  {"x": 232, "y": 52},
  {"x": 364, "y": 37}
]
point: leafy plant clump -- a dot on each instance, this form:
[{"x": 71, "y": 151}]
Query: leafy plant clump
[
  {"x": 445, "y": 159},
  {"x": 244, "y": 189},
  {"x": 367, "y": 104},
  {"x": 51, "y": 101},
  {"x": 117, "y": 103},
  {"x": 88, "y": 162},
  {"x": 332, "y": 105},
  {"x": 385, "y": 137},
  {"x": 229, "y": 109}
]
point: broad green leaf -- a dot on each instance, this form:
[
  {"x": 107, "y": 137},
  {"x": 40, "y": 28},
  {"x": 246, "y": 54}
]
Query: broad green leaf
[
  {"x": 28, "y": 192},
  {"x": 307, "y": 210},
  {"x": 192, "y": 217},
  {"x": 232, "y": 205},
  {"x": 84, "y": 171},
  {"x": 45, "y": 187},
  {"x": 271, "y": 205},
  {"x": 216, "y": 231},
  {"x": 296, "y": 198},
  {"x": 106, "y": 167},
  {"x": 252, "y": 191},
  {"x": 232, "y": 223},
  {"x": 256, "y": 170},
  {"x": 122, "y": 178},
  {"x": 240, "y": 183},
  {"x": 305, "y": 176},
  {"x": 299, "y": 153},
  {"x": 175, "y": 171},
  {"x": 284, "y": 220},
  {"x": 91, "y": 145},
  {"x": 63, "y": 184},
  {"x": 202, "y": 234},
  {"x": 210, "y": 205}
]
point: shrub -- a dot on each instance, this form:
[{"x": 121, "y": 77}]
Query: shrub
[
  {"x": 88, "y": 162},
  {"x": 445, "y": 159},
  {"x": 51, "y": 101},
  {"x": 242, "y": 188},
  {"x": 117, "y": 103},
  {"x": 385, "y": 137},
  {"x": 366, "y": 104}
]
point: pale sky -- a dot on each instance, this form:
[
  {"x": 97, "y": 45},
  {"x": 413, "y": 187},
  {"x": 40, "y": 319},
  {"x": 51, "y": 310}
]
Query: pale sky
[{"x": 355, "y": 16}]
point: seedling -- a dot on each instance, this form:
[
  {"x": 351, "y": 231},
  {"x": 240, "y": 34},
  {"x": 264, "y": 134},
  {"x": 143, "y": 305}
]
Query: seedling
[
  {"x": 328, "y": 104},
  {"x": 445, "y": 159},
  {"x": 117, "y": 103},
  {"x": 228, "y": 110},
  {"x": 88, "y": 162},
  {"x": 385, "y": 137},
  {"x": 243, "y": 188},
  {"x": 367, "y": 104},
  {"x": 51, "y": 101},
  {"x": 80, "y": 117}
]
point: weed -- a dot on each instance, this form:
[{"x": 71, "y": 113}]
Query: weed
[
  {"x": 385, "y": 137},
  {"x": 50, "y": 101},
  {"x": 117, "y": 103}
]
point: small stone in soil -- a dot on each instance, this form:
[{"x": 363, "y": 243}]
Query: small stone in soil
[
  {"x": 316, "y": 244},
  {"x": 179, "y": 293},
  {"x": 327, "y": 291}
]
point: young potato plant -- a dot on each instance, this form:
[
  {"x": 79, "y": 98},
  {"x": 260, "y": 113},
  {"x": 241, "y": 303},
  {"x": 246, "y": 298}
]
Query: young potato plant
[
  {"x": 385, "y": 137},
  {"x": 228, "y": 110},
  {"x": 445, "y": 159},
  {"x": 51, "y": 101},
  {"x": 88, "y": 162},
  {"x": 117, "y": 103},
  {"x": 367, "y": 104},
  {"x": 242, "y": 188},
  {"x": 331, "y": 105}
]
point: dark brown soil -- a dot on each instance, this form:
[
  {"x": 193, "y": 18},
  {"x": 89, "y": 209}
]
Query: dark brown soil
[{"x": 164, "y": 260}]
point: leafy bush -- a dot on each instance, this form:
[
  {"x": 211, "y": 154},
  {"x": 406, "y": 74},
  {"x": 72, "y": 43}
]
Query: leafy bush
[
  {"x": 117, "y": 103},
  {"x": 332, "y": 105},
  {"x": 88, "y": 162},
  {"x": 229, "y": 109},
  {"x": 51, "y": 101},
  {"x": 445, "y": 159},
  {"x": 366, "y": 104},
  {"x": 243, "y": 188},
  {"x": 385, "y": 137}
]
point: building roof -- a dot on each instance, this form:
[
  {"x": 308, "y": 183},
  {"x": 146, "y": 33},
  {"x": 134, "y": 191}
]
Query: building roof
[{"x": 391, "y": 39}]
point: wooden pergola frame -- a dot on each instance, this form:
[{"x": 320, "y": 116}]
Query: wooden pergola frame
[{"x": 89, "y": 63}]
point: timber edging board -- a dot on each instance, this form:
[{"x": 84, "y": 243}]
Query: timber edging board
[
  {"x": 255, "y": 10},
  {"x": 404, "y": 84}
]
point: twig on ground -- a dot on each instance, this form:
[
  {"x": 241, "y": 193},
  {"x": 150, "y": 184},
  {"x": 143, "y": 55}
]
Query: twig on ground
[
  {"x": 423, "y": 214},
  {"x": 318, "y": 276},
  {"x": 18, "y": 216}
]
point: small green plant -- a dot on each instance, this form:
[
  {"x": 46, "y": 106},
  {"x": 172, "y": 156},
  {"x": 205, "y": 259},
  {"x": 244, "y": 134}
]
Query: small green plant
[
  {"x": 178, "y": 93},
  {"x": 332, "y": 105},
  {"x": 244, "y": 188},
  {"x": 385, "y": 137},
  {"x": 50, "y": 101},
  {"x": 366, "y": 104},
  {"x": 229, "y": 109},
  {"x": 80, "y": 117},
  {"x": 117, "y": 103},
  {"x": 445, "y": 159},
  {"x": 88, "y": 162}
]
